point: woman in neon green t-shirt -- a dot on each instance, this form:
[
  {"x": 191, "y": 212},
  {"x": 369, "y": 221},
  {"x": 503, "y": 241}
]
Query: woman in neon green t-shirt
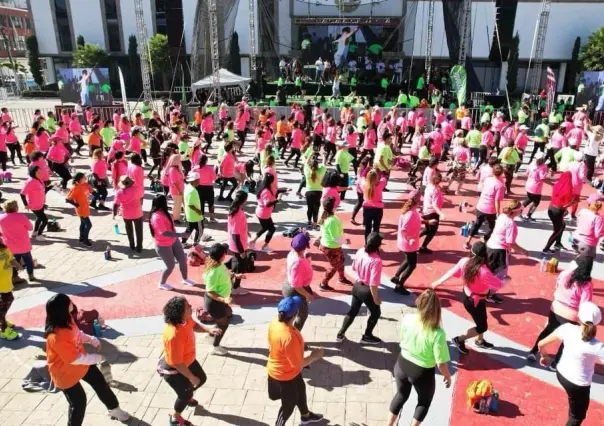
[{"x": 332, "y": 238}]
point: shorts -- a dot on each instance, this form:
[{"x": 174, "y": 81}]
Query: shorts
[{"x": 477, "y": 312}]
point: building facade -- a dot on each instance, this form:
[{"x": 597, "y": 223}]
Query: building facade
[
  {"x": 281, "y": 26},
  {"x": 15, "y": 27}
]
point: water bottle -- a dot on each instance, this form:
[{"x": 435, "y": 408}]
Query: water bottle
[
  {"x": 96, "y": 326},
  {"x": 483, "y": 406},
  {"x": 105, "y": 369},
  {"x": 108, "y": 252},
  {"x": 463, "y": 207},
  {"x": 494, "y": 401},
  {"x": 116, "y": 229},
  {"x": 543, "y": 265}
]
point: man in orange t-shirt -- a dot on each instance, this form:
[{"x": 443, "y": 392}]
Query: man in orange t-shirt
[
  {"x": 178, "y": 367},
  {"x": 286, "y": 361}
]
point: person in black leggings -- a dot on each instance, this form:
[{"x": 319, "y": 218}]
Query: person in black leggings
[
  {"x": 41, "y": 218},
  {"x": 562, "y": 199},
  {"x": 313, "y": 174},
  {"x": 432, "y": 213},
  {"x": 364, "y": 166},
  {"x": 178, "y": 367},
  {"x": 424, "y": 327},
  {"x": 407, "y": 241},
  {"x": 266, "y": 204}
]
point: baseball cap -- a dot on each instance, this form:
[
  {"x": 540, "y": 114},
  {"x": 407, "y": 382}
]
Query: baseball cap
[
  {"x": 539, "y": 155},
  {"x": 578, "y": 156},
  {"x": 218, "y": 250},
  {"x": 590, "y": 312},
  {"x": 523, "y": 127},
  {"x": 289, "y": 306},
  {"x": 192, "y": 177},
  {"x": 301, "y": 241},
  {"x": 342, "y": 143},
  {"x": 594, "y": 197}
]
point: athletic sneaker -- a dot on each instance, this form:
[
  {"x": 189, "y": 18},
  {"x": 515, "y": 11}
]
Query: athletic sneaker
[
  {"x": 461, "y": 346},
  {"x": 494, "y": 298},
  {"x": 239, "y": 292},
  {"x": 119, "y": 415},
  {"x": 484, "y": 344},
  {"x": 399, "y": 289},
  {"x": 552, "y": 367},
  {"x": 9, "y": 334},
  {"x": 395, "y": 280},
  {"x": 425, "y": 250},
  {"x": 40, "y": 238},
  {"x": 192, "y": 403},
  {"x": 165, "y": 286},
  {"x": 179, "y": 421},
  {"x": 219, "y": 350},
  {"x": 345, "y": 281},
  {"x": 371, "y": 340},
  {"x": 189, "y": 282},
  {"x": 252, "y": 245},
  {"x": 340, "y": 338},
  {"x": 267, "y": 249},
  {"x": 548, "y": 251},
  {"x": 559, "y": 247},
  {"x": 531, "y": 356},
  {"x": 310, "y": 418},
  {"x": 325, "y": 287}
]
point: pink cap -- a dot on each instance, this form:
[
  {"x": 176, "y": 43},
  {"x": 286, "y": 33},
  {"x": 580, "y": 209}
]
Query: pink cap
[{"x": 594, "y": 197}]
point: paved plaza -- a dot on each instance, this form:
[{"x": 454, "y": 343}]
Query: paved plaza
[{"x": 351, "y": 386}]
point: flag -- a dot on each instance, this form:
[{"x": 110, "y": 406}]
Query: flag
[
  {"x": 123, "y": 90},
  {"x": 550, "y": 89},
  {"x": 459, "y": 81}
]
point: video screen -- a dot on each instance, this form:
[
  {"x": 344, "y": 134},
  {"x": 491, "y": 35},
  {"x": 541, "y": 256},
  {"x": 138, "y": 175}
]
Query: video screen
[
  {"x": 89, "y": 85},
  {"x": 590, "y": 87}
]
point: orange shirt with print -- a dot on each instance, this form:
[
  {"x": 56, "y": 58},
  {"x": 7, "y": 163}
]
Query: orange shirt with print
[
  {"x": 63, "y": 347},
  {"x": 79, "y": 194},
  {"x": 29, "y": 147},
  {"x": 198, "y": 118},
  {"x": 94, "y": 140},
  {"x": 179, "y": 343},
  {"x": 286, "y": 351},
  {"x": 281, "y": 129}
]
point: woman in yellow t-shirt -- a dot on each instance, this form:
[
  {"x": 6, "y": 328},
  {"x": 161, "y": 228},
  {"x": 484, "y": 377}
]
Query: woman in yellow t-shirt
[{"x": 286, "y": 361}]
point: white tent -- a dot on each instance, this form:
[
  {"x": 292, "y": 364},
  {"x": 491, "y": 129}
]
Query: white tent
[{"x": 227, "y": 78}]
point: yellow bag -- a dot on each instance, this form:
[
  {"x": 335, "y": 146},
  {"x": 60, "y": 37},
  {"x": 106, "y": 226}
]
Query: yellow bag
[{"x": 477, "y": 390}]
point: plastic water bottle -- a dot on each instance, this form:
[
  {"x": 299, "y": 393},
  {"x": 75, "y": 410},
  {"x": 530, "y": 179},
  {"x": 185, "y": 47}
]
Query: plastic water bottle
[
  {"x": 494, "y": 401},
  {"x": 543, "y": 265},
  {"x": 116, "y": 229},
  {"x": 108, "y": 252},
  {"x": 463, "y": 207},
  {"x": 105, "y": 369},
  {"x": 96, "y": 326}
]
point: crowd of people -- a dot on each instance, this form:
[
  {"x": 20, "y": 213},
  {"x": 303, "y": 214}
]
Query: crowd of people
[{"x": 192, "y": 164}]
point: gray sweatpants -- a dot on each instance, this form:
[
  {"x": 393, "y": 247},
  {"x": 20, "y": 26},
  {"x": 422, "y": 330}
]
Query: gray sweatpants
[{"x": 170, "y": 255}]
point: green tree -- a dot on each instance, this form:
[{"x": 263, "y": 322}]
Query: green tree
[
  {"x": 574, "y": 68},
  {"x": 134, "y": 63},
  {"x": 80, "y": 42},
  {"x": 89, "y": 55},
  {"x": 592, "y": 53},
  {"x": 234, "y": 54},
  {"x": 512, "y": 75},
  {"x": 159, "y": 52},
  {"x": 35, "y": 67},
  {"x": 15, "y": 66}
]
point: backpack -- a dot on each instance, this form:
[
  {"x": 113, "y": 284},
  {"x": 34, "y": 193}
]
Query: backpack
[
  {"x": 479, "y": 395},
  {"x": 196, "y": 256},
  {"x": 251, "y": 261},
  {"x": 157, "y": 187},
  {"x": 292, "y": 231}
]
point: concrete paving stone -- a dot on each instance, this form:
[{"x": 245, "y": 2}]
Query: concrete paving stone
[
  {"x": 13, "y": 418},
  {"x": 229, "y": 397},
  {"x": 42, "y": 417},
  {"x": 163, "y": 400},
  {"x": 5, "y": 398},
  {"x": 54, "y": 402}
]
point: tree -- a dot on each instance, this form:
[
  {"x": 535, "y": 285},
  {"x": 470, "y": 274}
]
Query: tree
[
  {"x": 89, "y": 55},
  {"x": 15, "y": 66},
  {"x": 234, "y": 55},
  {"x": 159, "y": 52},
  {"x": 80, "y": 41},
  {"x": 35, "y": 67},
  {"x": 574, "y": 67},
  {"x": 592, "y": 53},
  {"x": 512, "y": 76},
  {"x": 133, "y": 62}
]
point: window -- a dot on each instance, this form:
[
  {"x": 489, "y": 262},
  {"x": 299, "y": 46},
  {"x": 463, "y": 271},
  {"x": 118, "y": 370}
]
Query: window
[
  {"x": 161, "y": 21},
  {"x": 112, "y": 26},
  {"x": 63, "y": 26}
]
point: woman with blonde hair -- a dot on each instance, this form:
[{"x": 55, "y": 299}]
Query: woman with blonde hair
[
  {"x": 423, "y": 347},
  {"x": 590, "y": 227},
  {"x": 176, "y": 183},
  {"x": 373, "y": 206}
]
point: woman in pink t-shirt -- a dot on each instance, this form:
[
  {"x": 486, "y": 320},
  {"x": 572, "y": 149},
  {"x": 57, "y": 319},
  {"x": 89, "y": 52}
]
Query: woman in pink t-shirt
[
  {"x": 536, "y": 176},
  {"x": 298, "y": 276},
  {"x": 33, "y": 195},
  {"x": 58, "y": 157},
  {"x": 407, "y": 241},
  {"x": 227, "y": 172},
  {"x": 37, "y": 159},
  {"x": 373, "y": 205},
  {"x": 364, "y": 167},
  {"x": 267, "y": 199},
  {"x": 573, "y": 287},
  {"x": 207, "y": 177},
  {"x": 489, "y": 204},
  {"x": 461, "y": 159},
  {"x": 590, "y": 227},
  {"x": 14, "y": 229},
  {"x": 119, "y": 168},
  {"x": 432, "y": 212},
  {"x": 42, "y": 140},
  {"x": 136, "y": 172},
  {"x": 167, "y": 243},
  {"x": 296, "y": 144},
  {"x": 478, "y": 282},
  {"x": 127, "y": 198},
  {"x": 176, "y": 183},
  {"x": 238, "y": 241},
  {"x": 135, "y": 145},
  {"x": 99, "y": 181},
  {"x": 207, "y": 128}
]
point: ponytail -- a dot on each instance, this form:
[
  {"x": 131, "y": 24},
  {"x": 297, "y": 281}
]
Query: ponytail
[{"x": 588, "y": 331}]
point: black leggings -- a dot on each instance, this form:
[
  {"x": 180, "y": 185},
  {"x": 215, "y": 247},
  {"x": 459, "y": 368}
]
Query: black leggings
[
  {"x": 15, "y": 148},
  {"x": 292, "y": 394},
  {"x": 480, "y": 219},
  {"x": 358, "y": 205},
  {"x": 313, "y": 204},
  {"x": 134, "y": 227},
  {"x": 578, "y": 401},
  {"x": 76, "y": 397},
  {"x": 6, "y": 300},
  {"x": 3, "y": 158},
  {"x": 407, "y": 267},
  {"x": 590, "y": 163},
  {"x": 268, "y": 226},
  {"x": 99, "y": 194},
  {"x": 297, "y": 153},
  {"x": 537, "y": 146},
  {"x": 183, "y": 387},
  {"x": 534, "y": 199},
  {"x": 241, "y": 136},
  {"x": 198, "y": 228},
  {"x": 301, "y": 186},
  {"x": 206, "y": 196},
  {"x": 63, "y": 172},
  {"x": 223, "y": 185},
  {"x": 551, "y": 155},
  {"x": 556, "y": 215},
  {"x": 553, "y": 322},
  {"x": 41, "y": 221},
  {"x": 362, "y": 294},
  {"x": 406, "y": 375},
  {"x": 483, "y": 152},
  {"x": 372, "y": 219},
  {"x": 218, "y": 311},
  {"x": 430, "y": 231}
]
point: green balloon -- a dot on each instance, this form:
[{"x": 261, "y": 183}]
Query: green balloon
[{"x": 106, "y": 88}]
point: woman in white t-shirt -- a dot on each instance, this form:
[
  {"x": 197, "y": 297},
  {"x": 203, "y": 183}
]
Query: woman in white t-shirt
[{"x": 581, "y": 353}]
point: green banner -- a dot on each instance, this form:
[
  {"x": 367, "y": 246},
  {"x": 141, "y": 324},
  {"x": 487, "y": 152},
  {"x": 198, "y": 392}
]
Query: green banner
[{"x": 459, "y": 81}]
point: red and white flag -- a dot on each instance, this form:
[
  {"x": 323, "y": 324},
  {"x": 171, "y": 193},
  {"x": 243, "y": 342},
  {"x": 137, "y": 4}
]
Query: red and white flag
[{"x": 550, "y": 89}]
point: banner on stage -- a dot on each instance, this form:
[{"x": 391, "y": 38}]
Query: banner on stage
[
  {"x": 459, "y": 80},
  {"x": 123, "y": 89}
]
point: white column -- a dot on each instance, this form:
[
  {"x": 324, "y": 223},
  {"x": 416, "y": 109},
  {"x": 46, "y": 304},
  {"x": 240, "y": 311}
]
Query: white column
[
  {"x": 561, "y": 77},
  {"x": 503, "y": 78}
]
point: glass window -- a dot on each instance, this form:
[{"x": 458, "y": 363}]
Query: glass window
[
  {"x": 63, "y": 26},
  {"x": 110, "y": 9},
  {"x": 113, "y": 31},
  {"x": 161, "y": 22}
]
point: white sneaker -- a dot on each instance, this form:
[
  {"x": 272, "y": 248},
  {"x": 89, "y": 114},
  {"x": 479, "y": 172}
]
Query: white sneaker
[
  {"x": 167, "y": 287},
  {"x": 205, "y": 238},
  {"x": 253, "y": 245},
  {"x": 40, "y": 238},
  {"x": 266, "y": 249},
  {"x": 219, "y": 350},
  {"x": 189, "y": 282},
  {"x": 239, "y": 292},
  {"x": 118, "y": 414}
]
